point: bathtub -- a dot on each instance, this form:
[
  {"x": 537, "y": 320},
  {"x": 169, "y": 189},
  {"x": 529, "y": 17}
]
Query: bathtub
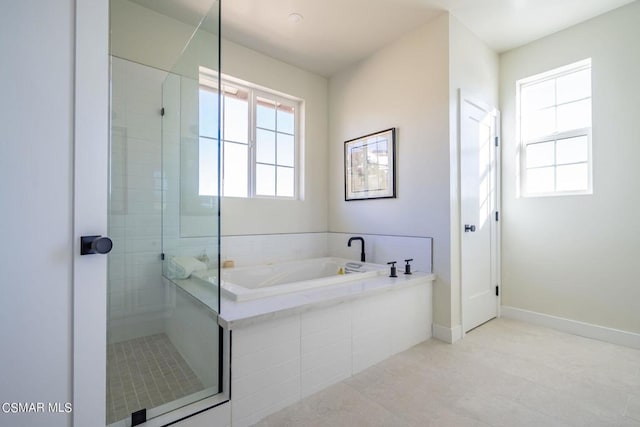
[{"x": 249, "y": 283}]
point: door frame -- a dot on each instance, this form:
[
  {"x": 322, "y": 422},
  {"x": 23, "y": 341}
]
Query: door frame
[
  {"x": 464, "y": 96},
  {"x": 90, "y": 209}
]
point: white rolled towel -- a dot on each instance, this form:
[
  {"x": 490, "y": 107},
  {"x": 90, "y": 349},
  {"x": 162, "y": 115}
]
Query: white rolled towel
[{"x": 181, "y": 267}]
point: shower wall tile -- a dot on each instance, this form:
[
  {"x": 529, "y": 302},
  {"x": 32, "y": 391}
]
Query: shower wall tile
[
  {"x": 193, "y": 246},
  {"x": 141, "y": 244},
  {"x": 267, "y": 248},
  {"x": 147, "y": 298},
  {"x": 381, "y": 249},
  {"x": 136, "y": 293}
]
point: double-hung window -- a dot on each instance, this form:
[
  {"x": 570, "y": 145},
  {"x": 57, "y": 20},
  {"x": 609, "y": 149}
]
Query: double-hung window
[
  {"x": 260, "y": 134},
  {"x": 555, "y": 131}
]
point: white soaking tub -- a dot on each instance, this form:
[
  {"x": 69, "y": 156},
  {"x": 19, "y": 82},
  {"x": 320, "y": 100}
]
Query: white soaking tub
[{"x": 249, "y": 283}]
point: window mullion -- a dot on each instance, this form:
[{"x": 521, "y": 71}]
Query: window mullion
[
  {"x": 252, "y": 144},
  {"x": 555, "y": 165},
  {"x": 275, "y": 169},
  {"x": 555, "y": 106}
]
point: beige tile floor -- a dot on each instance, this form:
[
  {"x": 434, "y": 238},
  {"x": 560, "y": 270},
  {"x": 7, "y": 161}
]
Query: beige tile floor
[
  {"x": 145, "y": 372},
  {"x": 504, "y": 373}
]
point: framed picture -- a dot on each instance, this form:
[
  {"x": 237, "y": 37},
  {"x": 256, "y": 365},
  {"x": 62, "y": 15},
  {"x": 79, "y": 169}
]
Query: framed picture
[{"x": 369, "y": 166}]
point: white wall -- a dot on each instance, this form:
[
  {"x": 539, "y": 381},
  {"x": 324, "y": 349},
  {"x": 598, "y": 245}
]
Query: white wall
[
  {"x": 405, "y": 86},
  {"x": 36, "y": 127},
  {"x": 575, "y": 257},
  {"x": 474, "y": 69}
]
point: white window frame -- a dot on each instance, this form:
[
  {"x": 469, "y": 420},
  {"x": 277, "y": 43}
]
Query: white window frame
[
  {"x": 553, "y": 137},
  {"x": 296, "y": 104},
  {"x": 208, "y": 79}
]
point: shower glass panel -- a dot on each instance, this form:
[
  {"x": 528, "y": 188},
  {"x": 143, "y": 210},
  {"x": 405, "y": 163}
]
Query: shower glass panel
[{"x": 163, "y": 349}]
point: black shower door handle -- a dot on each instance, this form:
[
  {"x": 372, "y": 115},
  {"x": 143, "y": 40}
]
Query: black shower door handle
[{"x": 95, "y": 245}]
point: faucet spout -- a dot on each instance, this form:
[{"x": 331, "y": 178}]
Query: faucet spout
[{"x": 362, "y": 255}]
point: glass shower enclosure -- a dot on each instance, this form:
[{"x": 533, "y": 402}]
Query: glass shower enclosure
[{"x": 164, "y": 342}]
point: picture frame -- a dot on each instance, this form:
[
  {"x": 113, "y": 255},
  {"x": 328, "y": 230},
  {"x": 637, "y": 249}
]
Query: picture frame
[{"x": 369, "y": 166}]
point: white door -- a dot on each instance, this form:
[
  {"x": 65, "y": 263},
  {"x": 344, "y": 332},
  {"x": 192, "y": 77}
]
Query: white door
[
  {"x": 91, "y": 154},
  {"x": 479, "y": 193}
]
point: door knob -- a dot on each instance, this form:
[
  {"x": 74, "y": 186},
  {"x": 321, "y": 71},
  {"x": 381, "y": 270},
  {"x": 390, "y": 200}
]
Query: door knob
[
  {"x": 469, "y": 228},
  {"x": 95, "y": 245}
]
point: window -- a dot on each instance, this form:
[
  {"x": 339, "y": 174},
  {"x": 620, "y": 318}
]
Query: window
[
  {"x": 260, "y": 139},
  {"x": 555, "y": 131},
  {"x": 275, "y": 148}
]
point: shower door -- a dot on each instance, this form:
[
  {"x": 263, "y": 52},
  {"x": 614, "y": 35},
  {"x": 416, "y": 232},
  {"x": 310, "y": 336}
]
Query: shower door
[{"x": 163, "y": 338}]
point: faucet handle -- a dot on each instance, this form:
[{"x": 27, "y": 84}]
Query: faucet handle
[
  {"x": 407, "y": 267},
  {"x": 393, "y": 268}
]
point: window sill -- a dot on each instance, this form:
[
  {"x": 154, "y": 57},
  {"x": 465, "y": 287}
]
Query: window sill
[{"x": 556, "y": 194}]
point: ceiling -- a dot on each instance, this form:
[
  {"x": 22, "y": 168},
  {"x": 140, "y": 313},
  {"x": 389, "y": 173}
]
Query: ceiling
[
  {"x": 336, "y": 33},
  {"x": 506, "y": 24}
]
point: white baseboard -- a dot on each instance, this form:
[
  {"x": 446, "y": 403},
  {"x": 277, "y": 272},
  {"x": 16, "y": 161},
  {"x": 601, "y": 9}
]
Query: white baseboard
[
  {"x": 445, "y": 334},
  {"x": 602, "y": 333}
]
